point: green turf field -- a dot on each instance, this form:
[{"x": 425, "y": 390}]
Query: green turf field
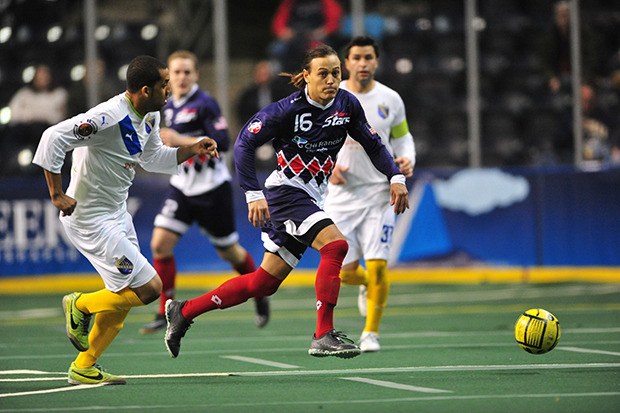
[{"x": 445, "y": 348}]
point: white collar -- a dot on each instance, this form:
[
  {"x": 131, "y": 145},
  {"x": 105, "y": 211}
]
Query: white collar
[
  {"x": 315, "y": 103},
  {"x": 180, "y": 102}
]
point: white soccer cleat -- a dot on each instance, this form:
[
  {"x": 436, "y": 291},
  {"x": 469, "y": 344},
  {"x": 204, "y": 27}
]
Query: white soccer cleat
[
  {"x": 369, "y": 342},
  {"x": 361, "y": 300}
]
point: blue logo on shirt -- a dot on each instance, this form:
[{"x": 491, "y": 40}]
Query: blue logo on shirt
[
  {"x": 130, "y": 136},
  {"x": 299, "y": 141}
]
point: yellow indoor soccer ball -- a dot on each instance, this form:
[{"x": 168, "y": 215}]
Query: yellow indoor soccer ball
[{"x": 537, "y": 331}]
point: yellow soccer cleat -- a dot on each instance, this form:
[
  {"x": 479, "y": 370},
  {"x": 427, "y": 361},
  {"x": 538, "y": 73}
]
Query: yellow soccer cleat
[
  {"x": 77, "y": 323},
  {"x": 92, "y": 375}
]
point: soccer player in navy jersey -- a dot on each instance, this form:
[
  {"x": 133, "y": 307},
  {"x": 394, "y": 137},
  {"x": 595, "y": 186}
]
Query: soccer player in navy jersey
[
  {"x": 201, "y": 192},
  {"x": 307, "y": 129}
]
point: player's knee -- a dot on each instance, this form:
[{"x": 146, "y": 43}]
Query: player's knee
[
  {"x": 263, "y": 284},
  {"x": 336, "y": 250},
  {"x": 350, "y": 277},
  {"x": 152, "y": 292},
  {"x": 160, "y": 250}
]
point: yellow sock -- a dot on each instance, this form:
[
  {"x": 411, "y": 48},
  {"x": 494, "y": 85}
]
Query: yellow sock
[
  {"x": 357, "y": 277},
  {"x": 105, "y": 329},
  {"x": 378, "y": 290},
  {"x": 105, "y": 300}
]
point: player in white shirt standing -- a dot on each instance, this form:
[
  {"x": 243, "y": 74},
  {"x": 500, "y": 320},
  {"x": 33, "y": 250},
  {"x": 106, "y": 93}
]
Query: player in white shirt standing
[
  {"x": 357, "y": 192},
  {"x": 108, "y": 141}
]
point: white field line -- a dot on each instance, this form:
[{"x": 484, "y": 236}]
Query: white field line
[
  {"x": 7, "y": 372},
  {"x": 370, "y": 370},
  {"x": 589, "y": 351},
  {"x": 537, "y": 367},
  {"x": 261, "y": 362},
  {"x": 57, "y": 390},
  {"x": 398, "y": 386}
]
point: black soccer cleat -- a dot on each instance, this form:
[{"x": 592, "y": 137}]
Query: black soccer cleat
[
  {"x": 176, "y": 326},
  {"x": 333, "y": 343},
  {"x": 262, "y": 311}
]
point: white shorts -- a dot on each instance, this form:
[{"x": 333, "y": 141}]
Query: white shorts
[
  {"x": 368, "y": 231},
  {"x": 112, "y": 248}
]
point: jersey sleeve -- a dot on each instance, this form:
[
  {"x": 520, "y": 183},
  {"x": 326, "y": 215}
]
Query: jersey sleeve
[
  {"x": 259, "y": 130},
  {"x": 155, "y": 156},
  {"x": 361, "y": 131},
  {"x": 400, "y": 136},
  {"x": 81, "y": 130}
]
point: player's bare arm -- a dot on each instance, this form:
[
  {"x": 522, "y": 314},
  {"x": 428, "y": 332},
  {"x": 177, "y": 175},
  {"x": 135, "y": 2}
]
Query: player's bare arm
[
  {"x": 399, "y": 197},
  {"x": 174, "y": 139},
  {"x": 338, "y": 175},
  {"x": 405, "y": 166},
  {"x": 206, "y": 146},
  {"x": 60, "y": 200},
  {"x": 258, "y": 213}
]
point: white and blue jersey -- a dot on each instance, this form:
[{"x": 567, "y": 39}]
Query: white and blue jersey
[
  {"x": 306, "y": 137},
  {"x": 198, "y": 114},
  {"x": 108, "y": 141}
]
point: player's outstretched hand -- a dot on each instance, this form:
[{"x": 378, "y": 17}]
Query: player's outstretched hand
[
  {"x": 258, "y": 213},
  {"x": 405, "y": 165},
  {"x": 399, "y": 197},
  {"x": 207, "y": 146}
]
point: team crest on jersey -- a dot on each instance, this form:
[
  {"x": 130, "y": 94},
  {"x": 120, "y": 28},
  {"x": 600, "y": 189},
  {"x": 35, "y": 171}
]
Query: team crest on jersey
[
  {"x": 383, "y": 111},
  {"x": 148, "y": 123},
  {"x": 85, "y": 129},
  {"x": 255, "y": 126},
  {"x": 124, "y": 266}
]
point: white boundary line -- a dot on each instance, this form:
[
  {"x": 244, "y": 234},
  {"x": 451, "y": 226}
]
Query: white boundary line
[
  {"x": 393, "y": 385},
  {"x": 498, "y": 367},
  {"x": 261, "y": 362},
  {"x": 60, "y": 389},
  {"x": 589, "y": 351},
  {"x": 371, "y": 370}
]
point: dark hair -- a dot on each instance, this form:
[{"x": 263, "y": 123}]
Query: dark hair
[
  {"x": 143, "y": 71},
  {"x": 362, "y": 41},
  {"x": 297, "y": 79}
]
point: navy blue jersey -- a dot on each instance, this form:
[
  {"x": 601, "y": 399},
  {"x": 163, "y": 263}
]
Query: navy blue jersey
[
  {"x": 198, "y": 114},
  {"x": 306, "y": 137}
]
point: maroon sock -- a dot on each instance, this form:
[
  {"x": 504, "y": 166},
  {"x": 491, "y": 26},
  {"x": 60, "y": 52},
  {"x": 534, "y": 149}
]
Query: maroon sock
[
  {"x": 327, "y": 284},
  {"x": 232, "y": 292},
  {"x": 167, "y": 270}
]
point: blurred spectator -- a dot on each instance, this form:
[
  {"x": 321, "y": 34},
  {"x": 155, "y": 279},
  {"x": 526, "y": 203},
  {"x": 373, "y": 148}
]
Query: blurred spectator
[
  {"x": 264, "y": 89},
  {"x": 40, "y": 101},
  {"x": 615, "y": 136},
  {"x": 36, "y": 106},
  {"x": 300, "y": 25},
  {"x": 78, "y": 92},
  {"x": 555, "y": 51},
  {"x": 599, "y": 127}
]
